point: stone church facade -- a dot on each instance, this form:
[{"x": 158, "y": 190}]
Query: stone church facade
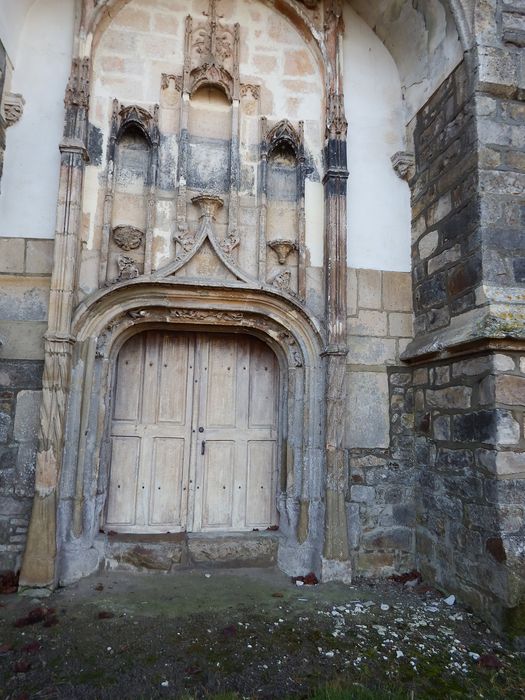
[{"x": 262, "y": 291}]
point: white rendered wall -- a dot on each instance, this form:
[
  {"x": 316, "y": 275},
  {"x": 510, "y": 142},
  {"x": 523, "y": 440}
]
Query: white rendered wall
[
  {"x": 378, "y": 201},
  {"x": 12, "y": 16},
  {"x": 29, "y": 185}
]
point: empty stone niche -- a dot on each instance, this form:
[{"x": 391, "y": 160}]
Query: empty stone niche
[{"x": 126, "y": 246}]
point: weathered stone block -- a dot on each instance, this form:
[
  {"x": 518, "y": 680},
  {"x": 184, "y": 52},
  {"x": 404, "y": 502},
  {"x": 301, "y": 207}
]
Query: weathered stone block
[
  {"x": 397, "y": 292},
  {"x": 369, "y": 289},
  {"x": 27, "y": 416},
  {"x": 441, "y": 428},
  {"x": 368, "y": 421},
  {"x": 451, "y": 397},
  {"x": 371, "y": 351},
  {"x": 490, "y": 426},
  {"x": 22, "y": 374},
  {"x": 372, "y": 323},
  {"x": 441, "y": 375},
  {"x": 351, "y": 291},
  {"x": 502, "y": 463},
  {"x": 400, "y": 325},
  {"x": 362, "y": 494},
  {"x": 471, "y": 367},
  {"x": 5, "y": 426},
  {"x": 12, "y": 255},
  {"x": 39, "y": 256},
  {"x": 445, "y": 258},
  {"x": 503, "y": 363},
  {"x": 24, "y": 299},
  {"x": 421, "y": 376},
  {"x": 392, "y": 538},
  {"x": 428, "y": 244},
  {"x": 510, "y": 390}
]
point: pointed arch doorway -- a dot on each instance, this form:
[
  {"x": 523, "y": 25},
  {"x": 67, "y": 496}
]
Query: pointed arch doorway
[{"x": 194, "y": 433}]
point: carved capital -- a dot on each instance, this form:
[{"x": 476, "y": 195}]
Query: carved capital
[
  {"x": 13, "y": 108},
  {"x": 404, "y": 164}
]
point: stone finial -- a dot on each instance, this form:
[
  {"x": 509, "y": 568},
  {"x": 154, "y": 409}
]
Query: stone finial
[
  {"x": 404, "y": 164},
  {"x": 13, "y": 107}
]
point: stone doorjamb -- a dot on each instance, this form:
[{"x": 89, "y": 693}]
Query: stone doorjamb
[{"x": 102, "y": 325}]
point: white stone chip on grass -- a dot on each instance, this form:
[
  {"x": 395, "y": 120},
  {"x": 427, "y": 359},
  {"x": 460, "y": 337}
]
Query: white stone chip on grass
[
  {"x": 385, "y": 607},
  {"x": 165, "y": 684},
  {"x": 450, "y": 600}
]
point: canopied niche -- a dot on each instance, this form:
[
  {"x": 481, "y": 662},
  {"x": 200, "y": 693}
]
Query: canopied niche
[
  {"x": 129, "y": 199},
  {"x": 283, "y": 178}
]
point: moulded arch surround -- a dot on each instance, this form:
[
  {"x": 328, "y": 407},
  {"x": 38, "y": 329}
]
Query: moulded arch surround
[{"x": 102, "y": 308}]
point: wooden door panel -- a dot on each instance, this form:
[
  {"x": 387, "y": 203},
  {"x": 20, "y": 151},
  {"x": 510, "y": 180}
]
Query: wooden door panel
[
  {"x": 173, "y": 380},
  {"x": 219, "y": 376},
  {"x": 150, "y": 391},
  {"x": 260, "y": 483},
  {"x": 263, "y": 387},
  {"x": 130, "y": 367},
  {"x": 167, "y": 482},
  {"x": 218, "y": 484},
  {"x": 123, "y": 484}
]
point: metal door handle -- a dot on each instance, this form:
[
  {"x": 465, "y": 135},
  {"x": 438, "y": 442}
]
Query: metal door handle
[{"x": 203, "y": 446}]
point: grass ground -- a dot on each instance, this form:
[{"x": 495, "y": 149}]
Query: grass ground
[{"x": 251, "y": 634}]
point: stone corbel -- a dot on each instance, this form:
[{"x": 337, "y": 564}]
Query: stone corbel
[
  {"x": 404, "y": 164},
  {"x": 13, "y": 108}
]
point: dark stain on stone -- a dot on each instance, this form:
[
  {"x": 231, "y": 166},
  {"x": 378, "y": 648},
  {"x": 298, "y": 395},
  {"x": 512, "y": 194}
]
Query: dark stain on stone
[
  {"x": 94, "y": 144},
  {"x": 494, "y": 545}
]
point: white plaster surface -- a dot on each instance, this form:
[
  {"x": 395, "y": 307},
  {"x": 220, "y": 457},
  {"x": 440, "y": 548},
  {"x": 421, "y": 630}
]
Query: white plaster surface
[
  {"x": 378, "y": 201},
  {"x": 422, "y": 38},
  {"x": 12, "y": 17},
  {"x": 31, "y": 168}
]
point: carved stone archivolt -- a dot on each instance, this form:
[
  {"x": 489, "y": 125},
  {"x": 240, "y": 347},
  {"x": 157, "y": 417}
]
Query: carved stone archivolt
[{"x": 202, "y": 316}]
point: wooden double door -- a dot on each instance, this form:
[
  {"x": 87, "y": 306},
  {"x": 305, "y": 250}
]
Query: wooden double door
[{"x": 193, "y": 434}]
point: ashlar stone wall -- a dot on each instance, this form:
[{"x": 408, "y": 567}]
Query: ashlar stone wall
[
  {"x": 381, "y": 508},
  {"x": 25, "y": 267}
]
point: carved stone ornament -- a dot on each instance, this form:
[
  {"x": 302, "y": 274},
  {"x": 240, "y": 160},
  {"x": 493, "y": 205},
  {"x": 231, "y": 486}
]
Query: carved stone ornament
[
  {"x": 169, "y": 80},
  {"x": 212, "y": 74},
  {"x": 128, "y": 269},
  {"x": 231, "y": 242},
  {"x": 77, "y": 91},
  {"x": 128, "y": 237},
  {"x": 249, "y": 90},
  {"x": 336, "y": 124},
  {"x": 209, "y": 205},
  {"x": 404, "y": 164},
  {"x": 282, "y": 248},
  {"x": 282, "y": 132},
  {"x": 13, "y": 107},
  {"x": 283, "y": 280},
  {"x": 184, "y": 237}
]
